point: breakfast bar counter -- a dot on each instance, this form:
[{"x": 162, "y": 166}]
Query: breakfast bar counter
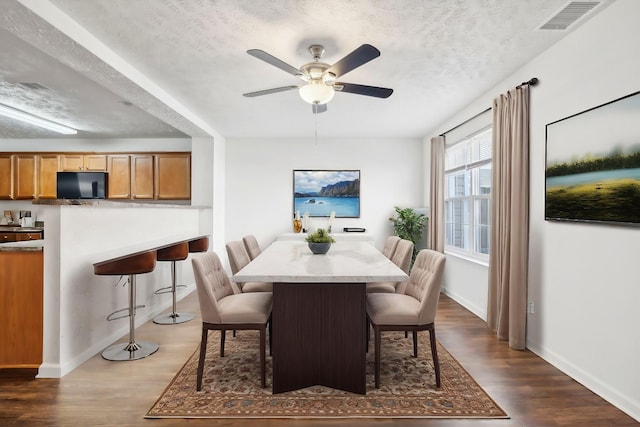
[{"x": 77, "y": 301}]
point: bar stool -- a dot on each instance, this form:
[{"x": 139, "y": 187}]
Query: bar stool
[
  {"x": 131, "y": 265},
  {"x": 201, "y": 244},
  {"x": 173, "y": 253}
]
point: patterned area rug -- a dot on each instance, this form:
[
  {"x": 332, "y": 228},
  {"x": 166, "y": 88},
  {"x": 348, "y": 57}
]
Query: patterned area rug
[{"x": 231, "y": 387}]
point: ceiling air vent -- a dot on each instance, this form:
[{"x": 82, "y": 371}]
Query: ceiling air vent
[{"x": 569, "y": 14}]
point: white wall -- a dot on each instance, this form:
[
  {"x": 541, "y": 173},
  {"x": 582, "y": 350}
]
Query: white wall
[
  {"x": 259, "y": 182},
  {"x": 202, "y": 192},
  {"x": 125, "y": 145},
  {"x": 583, "y": 278}
]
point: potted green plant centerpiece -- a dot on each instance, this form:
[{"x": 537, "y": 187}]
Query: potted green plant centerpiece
[{"x": 320, "y": 241}]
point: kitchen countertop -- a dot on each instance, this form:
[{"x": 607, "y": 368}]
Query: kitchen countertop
[
  {"x": 25, "y": 245},
  {"x": 11, "y": 229}
]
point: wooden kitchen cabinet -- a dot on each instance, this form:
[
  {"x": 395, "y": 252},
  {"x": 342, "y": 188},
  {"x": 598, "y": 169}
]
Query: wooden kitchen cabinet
[
  {"x": 47, "y": 176},
  {"x": 173, "y": 176},
  {"x": 21, "y": 302},
  {"x": 6, "y": 176},
  {"x": 142, "y": 176},
  {"x": 83, "y": 162},
  {"x": 20, "y": 237},
  {"x": 119, "y": 168},
  {"x": 6, "y": 237},
  {"x": 24, "y": 176}
]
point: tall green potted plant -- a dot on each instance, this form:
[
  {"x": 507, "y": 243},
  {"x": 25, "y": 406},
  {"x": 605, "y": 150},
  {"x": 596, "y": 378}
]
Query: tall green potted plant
[{"x": 408, "y": 224}]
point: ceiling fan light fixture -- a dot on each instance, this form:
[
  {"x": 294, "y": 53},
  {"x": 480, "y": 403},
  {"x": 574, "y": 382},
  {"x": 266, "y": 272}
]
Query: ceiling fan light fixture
[
  {"x": 328, "y": 78},
  {"x": 25, "y": 117},
  {"x": 316, "y": 92}
]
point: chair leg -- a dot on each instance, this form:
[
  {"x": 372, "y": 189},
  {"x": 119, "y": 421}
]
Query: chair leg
[
  {"x": 434, "y": 355},
  {"x": 415, "y": 343},
  {"x": 203, "y": 352},
  {"x": 223, "y": 337},
  {"x": 377, "y": 337},
  {"x": 263, "y": 357}
]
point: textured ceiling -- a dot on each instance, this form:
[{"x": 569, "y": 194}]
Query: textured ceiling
[{"x": 183, "y": 63}]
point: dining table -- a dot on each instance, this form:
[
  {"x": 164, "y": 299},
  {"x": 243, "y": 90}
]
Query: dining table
[{"x": 319, "y": 334}]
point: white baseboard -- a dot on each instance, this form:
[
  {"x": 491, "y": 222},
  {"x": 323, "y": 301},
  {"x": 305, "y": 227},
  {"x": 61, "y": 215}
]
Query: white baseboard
[
  {"x": 627, "y": 405},
  {"x": 480, "y": 312},
  {"x": 53, "y": 370}
]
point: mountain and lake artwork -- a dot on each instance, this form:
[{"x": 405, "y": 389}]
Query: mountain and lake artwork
[
  {"x": 320, "y": 192},
  {"x": 593, "y": 165}
]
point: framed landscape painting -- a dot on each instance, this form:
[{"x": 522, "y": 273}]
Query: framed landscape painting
[
  {"x": 320, "y": 192},
  {"x": 593, "y": 165}
]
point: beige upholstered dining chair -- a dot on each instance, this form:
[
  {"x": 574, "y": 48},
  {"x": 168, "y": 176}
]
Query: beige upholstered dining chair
[
  {"x": 238, "y": 258},
  {"x": 252, "y": 246},
  {"x": 223, "y": 306},
  {"x": 390, "y": 244},
  {"x": 402, "y": 258},
  {"x": 414, "y": 310}
]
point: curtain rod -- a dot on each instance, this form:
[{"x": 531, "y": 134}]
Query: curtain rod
[
  {"x": 466, "y": 121},
  {"x": 531, "y": 82}
]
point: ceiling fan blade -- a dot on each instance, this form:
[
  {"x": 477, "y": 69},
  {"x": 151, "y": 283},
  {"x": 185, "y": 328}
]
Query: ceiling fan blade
[
  {"x": 270, "y": 59},
  {"x": 378, "y": 92},
  {"x": 318, "y": 108},
  {"x": 269, "y": 91},
  {"x": 358, "y": 57}
]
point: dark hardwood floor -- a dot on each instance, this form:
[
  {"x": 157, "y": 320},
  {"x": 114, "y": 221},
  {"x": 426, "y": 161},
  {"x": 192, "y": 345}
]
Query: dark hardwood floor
[{"x": 102, "y": 393}]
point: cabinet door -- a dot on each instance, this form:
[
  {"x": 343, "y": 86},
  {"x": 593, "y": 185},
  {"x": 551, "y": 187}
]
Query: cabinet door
[
  {"x": 83, "y": 162},
  {"x": 95, "y": 162},
  {"x": 47, "y": 176},
  {"x": 142, "y": 176},
  {"x": 6, "y": 176},
  {"x": 24, "y": 176},
  {"x": 71, "y": 162},
  {"x": 22, "y": 310},
  {"x": 173, "y": 176},
  {"x": 119, "y": 168}
]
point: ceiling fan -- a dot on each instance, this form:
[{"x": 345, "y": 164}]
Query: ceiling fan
[{"x": 320, "y": 78}]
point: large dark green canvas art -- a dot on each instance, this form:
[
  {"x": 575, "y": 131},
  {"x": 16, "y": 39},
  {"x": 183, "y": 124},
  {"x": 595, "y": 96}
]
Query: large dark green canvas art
[{"x": 593, "y": 164}]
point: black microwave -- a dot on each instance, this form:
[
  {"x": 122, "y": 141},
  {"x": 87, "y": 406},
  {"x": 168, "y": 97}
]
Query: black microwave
[{"x": 81, "y": 185}]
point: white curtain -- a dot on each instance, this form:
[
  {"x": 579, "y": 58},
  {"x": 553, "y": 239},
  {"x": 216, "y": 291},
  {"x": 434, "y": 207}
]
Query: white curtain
[
  {"x": 436, "y": 197},
  {"x": 507, "y": 299}
]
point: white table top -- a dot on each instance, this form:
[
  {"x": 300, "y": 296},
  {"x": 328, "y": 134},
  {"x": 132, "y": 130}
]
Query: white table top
[{"x": 291, "y": 261}]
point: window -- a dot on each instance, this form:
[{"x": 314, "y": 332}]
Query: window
[{"x": 468, "y": 195}]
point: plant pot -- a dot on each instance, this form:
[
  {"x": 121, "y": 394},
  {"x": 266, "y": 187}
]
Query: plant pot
[{"x": 319, "y": 248}]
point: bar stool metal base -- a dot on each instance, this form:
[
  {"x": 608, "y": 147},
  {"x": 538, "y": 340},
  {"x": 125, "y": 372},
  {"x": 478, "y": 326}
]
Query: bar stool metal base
[
  {"x": 130, "y": 351},
  {"x": 173, "y": 318}
]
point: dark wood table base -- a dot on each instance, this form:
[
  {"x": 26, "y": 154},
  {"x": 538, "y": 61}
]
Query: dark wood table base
[{"x": 319, "y": 336}]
